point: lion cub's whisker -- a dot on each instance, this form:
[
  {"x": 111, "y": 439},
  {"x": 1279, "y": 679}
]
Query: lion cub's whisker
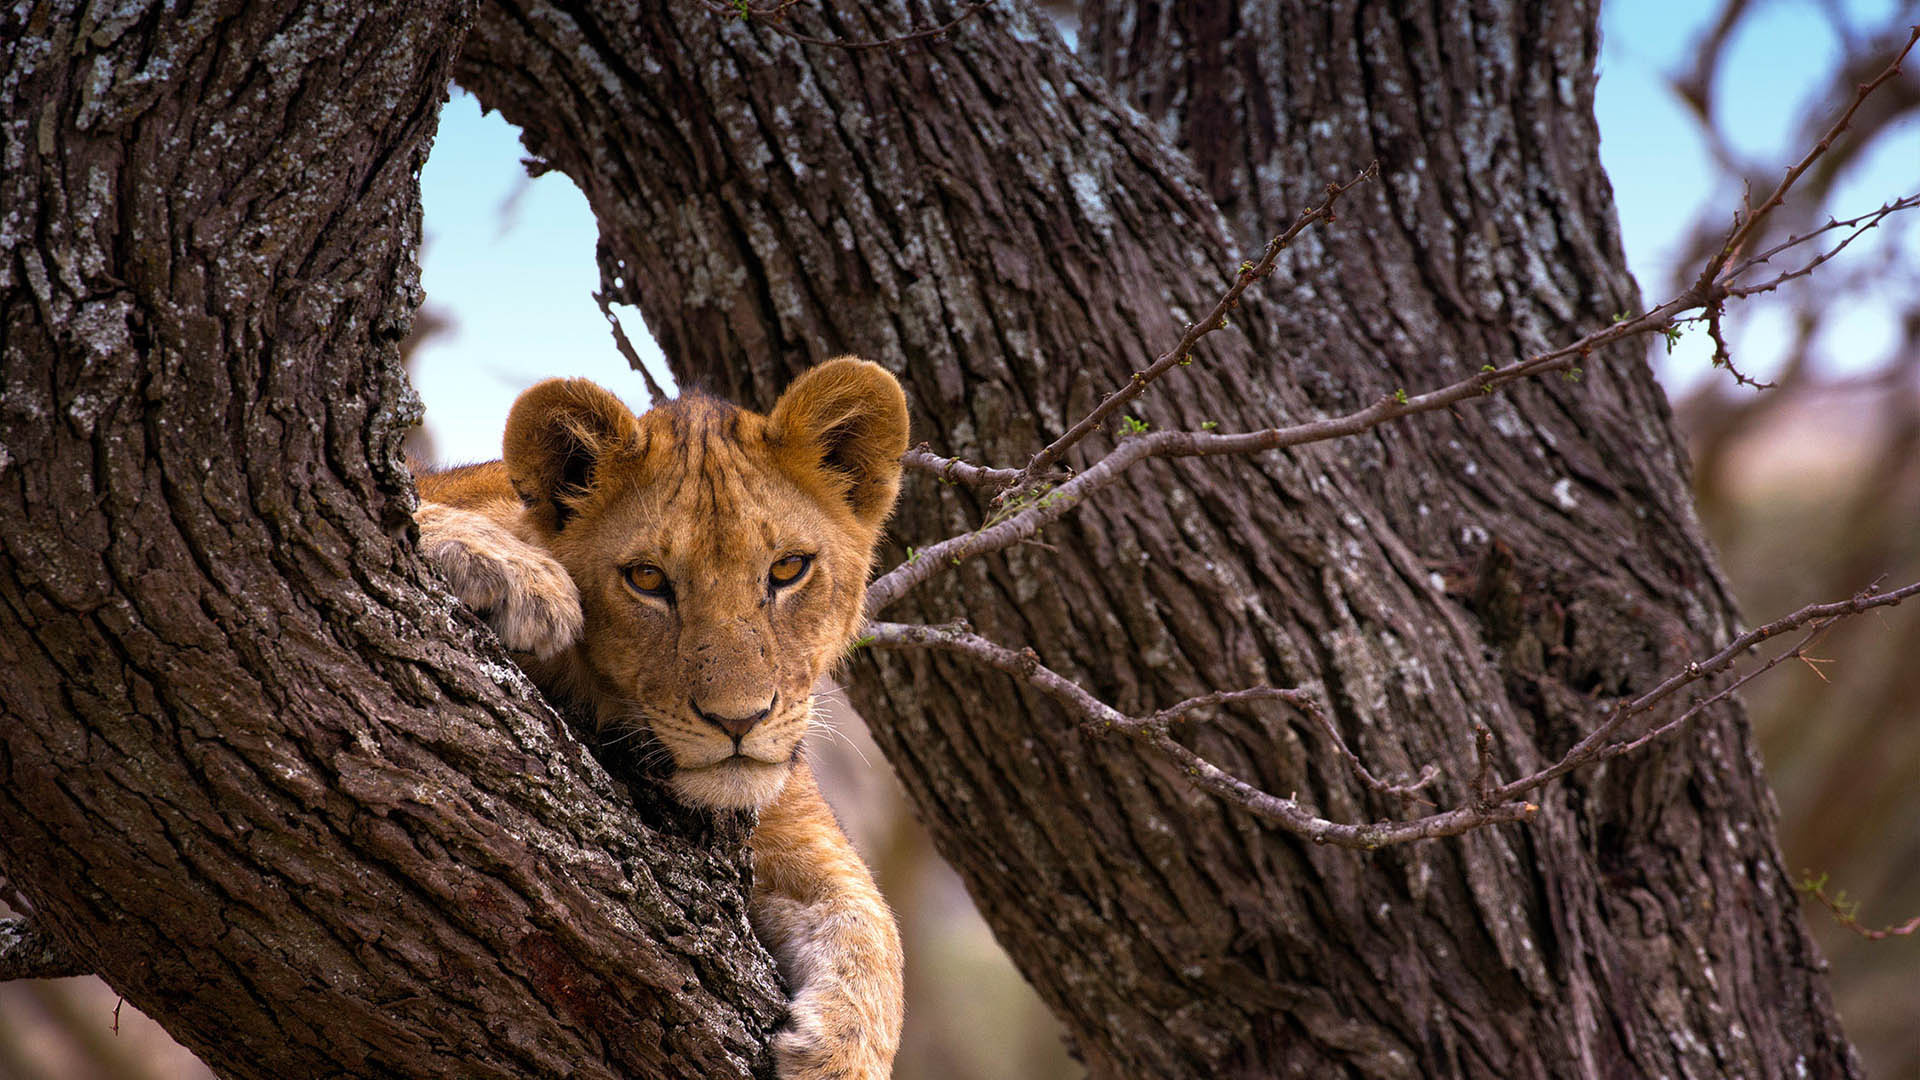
[{"x": 817, "y": 721}]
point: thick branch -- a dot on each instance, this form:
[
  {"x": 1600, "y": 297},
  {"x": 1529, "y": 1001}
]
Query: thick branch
[{"x": 27, "y": 952}]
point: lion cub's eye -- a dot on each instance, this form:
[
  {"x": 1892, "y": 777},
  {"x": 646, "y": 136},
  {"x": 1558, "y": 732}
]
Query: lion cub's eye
[
  {"x": 648, "y": 579},
  {"x": 788, "y": 570}
]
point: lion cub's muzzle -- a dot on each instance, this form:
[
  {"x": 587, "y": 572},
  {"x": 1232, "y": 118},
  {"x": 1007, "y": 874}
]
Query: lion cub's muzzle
[
  {"x": 738, "y": 760},
  {"x": 737, "y": 726}
]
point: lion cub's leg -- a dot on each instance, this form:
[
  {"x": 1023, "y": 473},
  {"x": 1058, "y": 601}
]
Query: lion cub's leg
[
  {"x": 816, "y": 907},
  {"x": 526, "y": 596}
]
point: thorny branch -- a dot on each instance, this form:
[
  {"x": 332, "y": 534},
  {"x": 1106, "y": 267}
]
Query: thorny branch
[
  {"x": 1099, "y": 718},
  {"x": 1182, "y": 351},
  {"x": 1034, "y": 496},
  {"x": 1715, "y": 283},
  {"x": 1486, "y": 804},
  {"x": 1746, "y": 224}
]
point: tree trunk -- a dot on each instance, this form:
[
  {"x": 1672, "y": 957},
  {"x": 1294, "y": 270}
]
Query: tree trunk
[
  {"x": 256, "y": 769},
  {"x": 985, "y": 216}
]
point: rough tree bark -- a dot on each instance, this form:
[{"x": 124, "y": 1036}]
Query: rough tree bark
[
  {"x": 986, "y": 216},
  {"x": 255, "y": 769}
]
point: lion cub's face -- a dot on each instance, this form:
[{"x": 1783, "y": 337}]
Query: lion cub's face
[{"x": 721, "y": 557}]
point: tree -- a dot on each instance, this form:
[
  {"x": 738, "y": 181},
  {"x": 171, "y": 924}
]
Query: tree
[
  {"x": 984, "y": 212},
  {"x": 261, "y": 774}
]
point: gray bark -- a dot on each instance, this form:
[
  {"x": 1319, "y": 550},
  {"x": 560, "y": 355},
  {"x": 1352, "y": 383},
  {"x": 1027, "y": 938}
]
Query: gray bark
[
  {"x": 256, "y": 769},
  {"x": 986, "y": 216}
]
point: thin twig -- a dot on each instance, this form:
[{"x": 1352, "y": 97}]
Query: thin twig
[
  {"x": 1594, "y": 745},
  {"x": 1859, "y": 225},
  {"x": 1404, "y": 790},
  {"x": 1098, "y": 717},
  {"x": 1486, "y": 805},
  {"x": 1025, "y": 515},
  {"x": 1846, "y": 912},
  {"x": 1182, "y": 351},
  {"x": 654, "y": 389},
  {"x": 954, "y": 471},
  {"x": 1749, "y": 223}
]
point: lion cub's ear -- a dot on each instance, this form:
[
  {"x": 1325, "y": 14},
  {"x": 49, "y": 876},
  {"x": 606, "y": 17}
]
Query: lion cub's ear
[
  {"x": 558, "y": 434},
  {"x": 845, "y": 422}
]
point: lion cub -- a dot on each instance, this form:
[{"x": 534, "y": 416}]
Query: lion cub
[{"x": 693, "y": 571}]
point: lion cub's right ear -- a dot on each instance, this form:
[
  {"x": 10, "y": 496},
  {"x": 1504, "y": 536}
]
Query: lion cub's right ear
[
  {"x": 844, "y": 423},
  {"x": 558, "y": 434}
]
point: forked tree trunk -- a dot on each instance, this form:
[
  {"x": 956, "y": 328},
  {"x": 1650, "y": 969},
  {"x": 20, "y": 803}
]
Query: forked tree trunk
[
  {"x": 985, "y": 216},
  {"x": 281, "y": 793}
]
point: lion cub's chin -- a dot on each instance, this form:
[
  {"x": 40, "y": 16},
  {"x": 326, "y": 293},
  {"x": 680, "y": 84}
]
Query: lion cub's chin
[{"x": 733, "y": 784}]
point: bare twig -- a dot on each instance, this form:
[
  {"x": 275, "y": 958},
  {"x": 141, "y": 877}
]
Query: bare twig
[
  {"x": 620, "y": 341},
  {"x": 1024, "y": 515},
  {"x": 1486, "y": 803},
  {"x": 26, "y": 952},
  {"x": 1595, "y": 746},
  {"x": 954, "y": 471},
  {"x": 1405, "y": 790},
  {"x": 1748, "y": 223},
  {"x": 1182, "y": 351},
  {"x": 1859, "y": 225},
  {"x": 1098, "y": 717}
]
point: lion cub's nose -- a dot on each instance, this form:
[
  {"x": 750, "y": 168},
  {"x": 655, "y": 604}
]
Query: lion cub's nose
[{"x": 736, "y": 726}]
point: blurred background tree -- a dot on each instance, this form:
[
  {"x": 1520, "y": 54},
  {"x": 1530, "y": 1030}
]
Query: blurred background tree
[{"x": 1810, "y": 489}]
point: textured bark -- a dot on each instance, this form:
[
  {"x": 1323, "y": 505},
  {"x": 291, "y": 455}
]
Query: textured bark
[
  {"x": 985, "y": 217},
  {"x": 257, "y": 770}
]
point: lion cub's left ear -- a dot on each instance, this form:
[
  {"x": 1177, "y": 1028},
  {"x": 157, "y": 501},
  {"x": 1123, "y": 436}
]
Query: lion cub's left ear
[{"x": 847, "y": 419}]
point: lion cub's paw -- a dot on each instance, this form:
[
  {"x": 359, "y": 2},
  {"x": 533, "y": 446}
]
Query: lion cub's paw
[
  {"x": 829, "y": 1037},
  {"x": 524, "y": 594}
]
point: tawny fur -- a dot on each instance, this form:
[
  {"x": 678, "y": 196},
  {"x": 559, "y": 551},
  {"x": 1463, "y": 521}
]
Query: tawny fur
[{"x": 546, "y": 544}]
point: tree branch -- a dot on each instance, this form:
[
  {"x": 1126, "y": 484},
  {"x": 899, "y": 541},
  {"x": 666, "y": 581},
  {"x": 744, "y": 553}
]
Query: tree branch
[
  {"x": 1846, "y": 911},
  {"x": 27, "y": 952},
  {"x": 1486, "y": 805},
  {"x": 1182, "y": 351},
  {"x": 1747, "y": 224},
  {"x": 1034, "y": 497},
  {"x": 1028, "y": 511},
  {"x": 1098, "y": 718}
]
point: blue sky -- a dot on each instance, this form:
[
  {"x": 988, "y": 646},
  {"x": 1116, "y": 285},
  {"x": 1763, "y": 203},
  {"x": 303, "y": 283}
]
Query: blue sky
[{"x": 519, "y": 285}]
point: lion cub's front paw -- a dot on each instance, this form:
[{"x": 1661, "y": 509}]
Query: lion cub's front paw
[
  {"x": 524, "y": 594},
  {"x": 825, "y": 1040},
  {"x": 842, "y": 1029}
]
